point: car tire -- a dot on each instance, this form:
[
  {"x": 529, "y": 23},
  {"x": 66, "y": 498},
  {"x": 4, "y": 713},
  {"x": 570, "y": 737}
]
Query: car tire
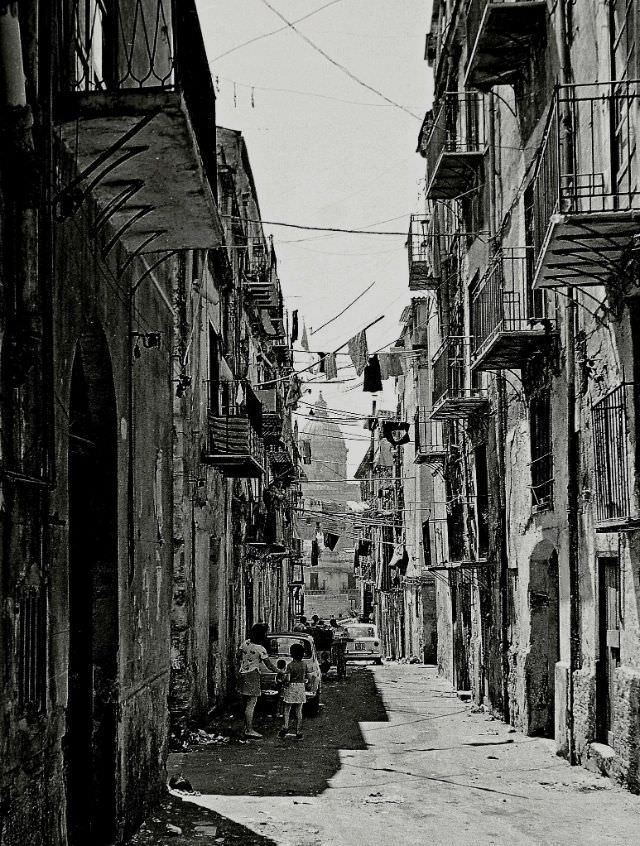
[{"x": 313, "y": 705}]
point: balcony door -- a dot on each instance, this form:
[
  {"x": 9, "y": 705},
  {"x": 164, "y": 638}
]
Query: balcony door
[{"x": 623, "y": 25}]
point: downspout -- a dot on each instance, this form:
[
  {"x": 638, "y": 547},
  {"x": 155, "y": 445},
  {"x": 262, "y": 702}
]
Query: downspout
[
  {"x": 501, "y": 403},
  {"x": 566, "y": 78}
]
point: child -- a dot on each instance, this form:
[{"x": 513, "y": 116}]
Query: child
[{"x": 294, "y": 689}]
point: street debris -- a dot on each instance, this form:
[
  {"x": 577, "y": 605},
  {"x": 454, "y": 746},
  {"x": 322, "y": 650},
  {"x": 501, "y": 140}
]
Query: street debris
[
  {"x": 380, "y": 799},
  {"x": 173, "y": 830}
]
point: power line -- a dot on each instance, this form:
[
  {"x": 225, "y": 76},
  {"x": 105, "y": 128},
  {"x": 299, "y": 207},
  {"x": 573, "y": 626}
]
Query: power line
[
  {"x": 272, "y": 32},
  {"x": 346, "y": 308},
  {"x": 311, "y": 228},
  {"x": 337, "y": 64}
]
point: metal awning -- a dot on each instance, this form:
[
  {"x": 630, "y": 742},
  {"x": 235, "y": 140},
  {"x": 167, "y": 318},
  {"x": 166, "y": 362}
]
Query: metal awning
[{"x": 136, "y": 154}]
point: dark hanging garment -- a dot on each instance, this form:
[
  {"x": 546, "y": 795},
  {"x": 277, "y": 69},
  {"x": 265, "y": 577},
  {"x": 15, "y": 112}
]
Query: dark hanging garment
[
  {"x": 306, "y": 451},
  {"x": 321, "y": 363},
  {"x": 294, "y": 326},
  {"x": 330, "y": 540},
  {"x": 315, "y": 553},
  {"x": 396, "y": 433},
  {"x": 372, "y": 377},
  {"x": 364, "y": 547}
]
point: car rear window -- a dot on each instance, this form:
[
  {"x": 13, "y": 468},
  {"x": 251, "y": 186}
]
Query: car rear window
[
  {"x": 361, "y": 631},
  {"x": 282, "y": 646}
]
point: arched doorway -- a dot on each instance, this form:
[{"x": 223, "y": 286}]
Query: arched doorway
[
  {"x": 91, "y": 748},
  {"x": 544, "y": 645}
]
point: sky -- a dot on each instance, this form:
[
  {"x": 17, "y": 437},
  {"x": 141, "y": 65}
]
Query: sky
[{"x": 327, "y": 152}]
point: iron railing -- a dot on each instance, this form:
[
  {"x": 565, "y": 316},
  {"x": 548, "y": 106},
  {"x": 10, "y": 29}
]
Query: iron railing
[
  {"x": 504, "y": 300},
  {"x": 235, "y": 419},
  {"x": 429, "y": 437},
  {"x": 589, "y": 157},
  {"x": 458, "y": 126},
  {"x": 611, "y": 451},
  {"x": 451, "y": 371},
  {"x": 418, "y": 240}
]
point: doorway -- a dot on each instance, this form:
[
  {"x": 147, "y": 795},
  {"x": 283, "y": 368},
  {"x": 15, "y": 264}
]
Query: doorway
[
  {"x": 609, "y": 642},
  {"x": 544, "y": 653},
  {"x": 90, "y": 742}
]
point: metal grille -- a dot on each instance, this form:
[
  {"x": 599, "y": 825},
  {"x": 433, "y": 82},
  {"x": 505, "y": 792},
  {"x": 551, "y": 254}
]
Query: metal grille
[
  {"x": 429, "y": 435},
  {"x": 451, "y": 371},
  {"x": 541, "y": 451},
  {"x": 458, "y": 126},
  {"x": 609, "y": 417},
  {"x": 235, "y": 418},
  {"x": 504, "y": 300},
  {"x": 31, "y": 650},
  {"x": 118, "y": 44},
  {"x": 418, "y": 241},
  {"x": 588, "y": 150}
]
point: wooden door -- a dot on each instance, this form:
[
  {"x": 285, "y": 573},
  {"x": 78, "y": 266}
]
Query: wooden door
[{"x": 609, "y": 620}]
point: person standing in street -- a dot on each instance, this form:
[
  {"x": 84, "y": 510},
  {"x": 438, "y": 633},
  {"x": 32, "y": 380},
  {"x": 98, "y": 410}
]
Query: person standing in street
[
  {"x": 252, "y": 655},
  {"x": 294, "y": 695}
]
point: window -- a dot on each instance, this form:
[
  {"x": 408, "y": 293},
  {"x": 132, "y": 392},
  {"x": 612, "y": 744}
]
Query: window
[
  {"x": 351, "y": 581},
  {"x": 609, "y": 416},
  {"x": 313, "y": 581},
  {"x": 541, "y": 450},
  {"x": 31, "y": 643},
  {"x": 88, "y": 23},
  {"x": 482, "y": 501}
]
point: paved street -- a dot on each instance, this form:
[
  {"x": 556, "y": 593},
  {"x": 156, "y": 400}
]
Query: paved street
[{"x": 396, "y": 758}]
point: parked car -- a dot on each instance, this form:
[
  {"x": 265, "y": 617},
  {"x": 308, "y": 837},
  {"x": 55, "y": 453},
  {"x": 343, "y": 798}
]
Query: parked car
[
  {"x": 362, "y": 643},
  {"x": 278, "y": 646}
]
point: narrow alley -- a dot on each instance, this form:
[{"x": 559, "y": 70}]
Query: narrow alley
[{"x": 395, "y": 757}]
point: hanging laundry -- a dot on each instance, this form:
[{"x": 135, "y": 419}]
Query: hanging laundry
[
  {"x": 304, "y": 341},
  {"x": 305, "y": 447},
  {"x": 390, "y": 365},
  {"x": 322, "y": 362},
  {"x": 294, "y": 326},
  {"x": 330, "y": 367},
  {"x": 372, "y": 379},
  {"x": 294, "y": 391},
  {"x": 397, "y": 433},
  {"x": 358, "y": 351},
  {"x": 315, "y": 553},
  {"x": 364, "y": 547},
  {"x": 240, "y": 395},
  {"x": 330, "y": 540}
]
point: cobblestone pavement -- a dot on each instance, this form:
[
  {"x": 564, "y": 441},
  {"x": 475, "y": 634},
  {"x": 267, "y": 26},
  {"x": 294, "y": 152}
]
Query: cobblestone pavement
[{"x": 394, "y": 758}]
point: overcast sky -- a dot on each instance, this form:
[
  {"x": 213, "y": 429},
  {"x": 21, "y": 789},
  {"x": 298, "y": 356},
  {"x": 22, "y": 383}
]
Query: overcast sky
[{"x": 327, "y": 152}]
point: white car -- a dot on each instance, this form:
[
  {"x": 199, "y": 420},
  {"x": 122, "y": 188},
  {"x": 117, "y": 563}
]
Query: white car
[
  {"x": 362, "y": 643},
  {"x": 278, "y": 647}
]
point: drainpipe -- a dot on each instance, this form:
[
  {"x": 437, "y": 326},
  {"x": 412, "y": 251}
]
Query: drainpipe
[
  {"x": 500, "y": 433},
  {"x": 566, "y": 77}
]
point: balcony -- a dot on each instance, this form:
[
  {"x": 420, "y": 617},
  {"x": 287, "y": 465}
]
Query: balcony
[
  {"x": 613, "y": 451},
  {"x": 455, "y": 393},
  {"x": 455, "y": 145},
  {"x": 500, "y": 34},
  {"x": 429, "y": 438},
  {"x": 587, "y": 186},
  {"x": 420, "y": 250},
  {"x": 235, "y": 443},
  {"x": 258, "y": 275},
  {"x": 508, "y": 319},
  {"x": 272, "y": 414},
  {"x": 135, "y": 115}
]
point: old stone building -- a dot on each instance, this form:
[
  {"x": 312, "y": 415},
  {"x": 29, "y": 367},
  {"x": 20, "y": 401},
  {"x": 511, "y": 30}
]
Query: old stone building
[
  {"x": 328, "y": 518},
  {"x": 528, "y": 253},
  {"x": 139, "y": 304}
]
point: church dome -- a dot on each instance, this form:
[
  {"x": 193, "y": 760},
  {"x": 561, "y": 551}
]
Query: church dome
[{"x": 328, "y": 446}]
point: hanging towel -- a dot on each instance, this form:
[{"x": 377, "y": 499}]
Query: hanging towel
[
  {"x": 390, "y": 365},
  {"x": 330, "y": 367},
  {"x": 322, "y": 363},
  {"x": 372, "y": 379},
  {"x": 359, "y": 352},
  {"x": 294, "y": 326},
  {"x": 294, "y": 391}
]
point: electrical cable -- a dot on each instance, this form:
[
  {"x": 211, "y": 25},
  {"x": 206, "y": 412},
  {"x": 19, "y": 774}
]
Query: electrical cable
[
  {"x": 337, "y": 64},
  {"x": 311, "y": 228}
]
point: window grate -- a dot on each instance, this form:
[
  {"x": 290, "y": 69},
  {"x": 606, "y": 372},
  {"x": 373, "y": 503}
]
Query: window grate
[
  {"x": 609, "y": 418},
  {"x": 541, "y": 451}
]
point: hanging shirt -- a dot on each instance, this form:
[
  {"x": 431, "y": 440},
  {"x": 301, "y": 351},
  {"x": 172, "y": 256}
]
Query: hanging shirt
[
  {"x": 372, "y": 378},
  {"x": 330, "y": 367},
  {"x": 358, "y": 351},
  {"x": 251, "y": 656}
]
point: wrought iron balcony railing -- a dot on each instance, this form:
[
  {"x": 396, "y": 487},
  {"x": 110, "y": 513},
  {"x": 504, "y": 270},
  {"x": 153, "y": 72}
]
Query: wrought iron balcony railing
[
  {"x": 587, "y": 184},
  {"x": 235, "y": 442},
  {"x": 499, "y": 38},
  {"x": 613, "y": 459},
  {"x": 429, "y": 438},
  {"x": 456, "y": 390},
  {"x": 135, "y": 102},
  {"x": 455, "y": 144},
  {"x": 272, "y": 413},
  {"x": 420, "y": 251},
  {"x": 509, "y": 319}
]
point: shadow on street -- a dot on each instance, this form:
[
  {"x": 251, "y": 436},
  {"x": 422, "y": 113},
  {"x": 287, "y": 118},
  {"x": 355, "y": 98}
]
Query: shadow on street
[{"x": 285, "y": 767}]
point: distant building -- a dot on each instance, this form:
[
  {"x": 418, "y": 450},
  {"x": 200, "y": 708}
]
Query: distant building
[{"x": 330, "y": 584}]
